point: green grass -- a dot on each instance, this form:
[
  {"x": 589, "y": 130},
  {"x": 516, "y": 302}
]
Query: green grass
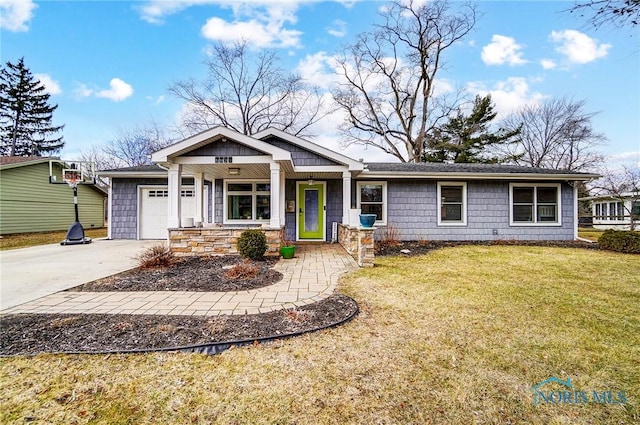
[
  {"x": 25, "y": 240},
  {"x": 459, "y": 336}
]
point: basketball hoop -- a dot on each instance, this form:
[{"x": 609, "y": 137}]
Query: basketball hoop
[{"x": 72, "y": 177}]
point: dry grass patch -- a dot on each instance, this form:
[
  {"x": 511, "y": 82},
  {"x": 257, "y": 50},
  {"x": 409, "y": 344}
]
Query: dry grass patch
[
  {"x": 590, "y": 234},
  {"x": 25, "y": 240},
  {"x": 458, "y": 336}
]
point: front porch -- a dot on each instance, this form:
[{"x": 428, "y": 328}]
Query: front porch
[{"x": 357, "y": 241}]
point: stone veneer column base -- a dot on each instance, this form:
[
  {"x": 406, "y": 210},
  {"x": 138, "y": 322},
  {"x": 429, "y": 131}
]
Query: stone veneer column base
[
  {"x": 218, "y": 240},
  {"x": 358, "y": 242}
]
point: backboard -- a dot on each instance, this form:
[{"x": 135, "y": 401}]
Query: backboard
[{"x": 71, "y": 172}]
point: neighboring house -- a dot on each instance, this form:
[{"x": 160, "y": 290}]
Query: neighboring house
[
  {"x": 226, "y": 180},
  {"x": 30, "y": 203},
  {"x": 615, "y": 212}
]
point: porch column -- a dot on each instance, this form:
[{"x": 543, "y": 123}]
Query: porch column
[
  {"x": 198, "y": 180},
  {"x": 275, "y": 195},
  {"x": 282, "y": 198},
  {"x": 346, "y": 197},
  {"x": 174, "y": 187}
]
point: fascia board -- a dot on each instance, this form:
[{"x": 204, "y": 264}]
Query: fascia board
[{"x": 477, "y": 176}]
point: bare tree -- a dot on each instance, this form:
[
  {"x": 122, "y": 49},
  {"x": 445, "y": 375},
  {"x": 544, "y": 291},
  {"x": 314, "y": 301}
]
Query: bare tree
[
  {"x": 556, "y": 134},
  {"x": 130, "y": 148},
  {"x": 622, "y": 186},
  {"x": 249, "y": 92},
  {"x": 619, "y": 13},
  {"x": 390, "y": 92}
]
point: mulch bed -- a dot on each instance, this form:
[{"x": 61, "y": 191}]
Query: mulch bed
[
  {"x": 201, "y": 274},
  {"x": 53, "y": 333}
]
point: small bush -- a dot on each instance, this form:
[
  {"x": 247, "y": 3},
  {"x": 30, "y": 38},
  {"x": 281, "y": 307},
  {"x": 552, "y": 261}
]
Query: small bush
[
  {"x": 620, "y": 241},
  {"x": 246, "y": 269},
  {"x": 387, "y": 237},
  {"x": 155, "y": 256},
  {"x": 252, "y": 244}
]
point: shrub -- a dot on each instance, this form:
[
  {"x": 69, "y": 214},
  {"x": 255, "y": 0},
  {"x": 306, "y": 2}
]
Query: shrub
[
  {"x": 252, "y": 244},
  {"x": 387, "y": 237},
  {"x": 245, "y": 269},
  {"x": 155, "y": 256},
  {"x": 620, "y": 241}
]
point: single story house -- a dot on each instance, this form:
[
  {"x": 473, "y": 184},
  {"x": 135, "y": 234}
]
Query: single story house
[
  {"x": 226, "y": 181},
  {"x": 30, "y": 203},
  {"x": 615, "y": 212}
]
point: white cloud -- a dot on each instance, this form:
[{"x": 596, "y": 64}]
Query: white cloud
[
  {"x": 502, "y": 50},
  {"x": 547, "y": 64},
  {"x": 338, "y": 28},
  {"x": 509, "y": 95},
  {"x": 50, "y": 85},
  {"x": 16, "y": 14},
  {"x": 118, "y": 90},
  {"x": 154, "y": 11},
  {"x": 258, "y": 34},
  {"x": 318, "y": 69},
  {"x": 82, "y": 90},
  {"x": 578, "y": 47}
]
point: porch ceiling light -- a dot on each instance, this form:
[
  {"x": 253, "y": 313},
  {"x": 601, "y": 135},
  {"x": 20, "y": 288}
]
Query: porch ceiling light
[
  {"x": 234, "y": 171},
  {"x": 311, "y": 182}
]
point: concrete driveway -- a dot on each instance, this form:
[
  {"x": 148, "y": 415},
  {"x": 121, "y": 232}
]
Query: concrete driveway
[{"x": 31, "y": 273}]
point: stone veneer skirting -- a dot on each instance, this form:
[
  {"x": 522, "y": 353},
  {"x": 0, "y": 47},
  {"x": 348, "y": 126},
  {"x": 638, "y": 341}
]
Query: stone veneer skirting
[
  {"x": 358, "y": 242},
  {"x": 217, "y": 240}
]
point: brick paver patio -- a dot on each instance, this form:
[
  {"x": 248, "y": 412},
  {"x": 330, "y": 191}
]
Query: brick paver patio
[{"x": 308, "y": 278}]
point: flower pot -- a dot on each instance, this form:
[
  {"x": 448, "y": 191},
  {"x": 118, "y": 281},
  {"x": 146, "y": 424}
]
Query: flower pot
[
  {"x": 367, "y": 220},
  {"x": 287, "y": 251}
]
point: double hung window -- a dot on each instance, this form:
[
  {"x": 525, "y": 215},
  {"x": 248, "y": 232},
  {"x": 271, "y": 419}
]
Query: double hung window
[{"x": 452, "y": 203}]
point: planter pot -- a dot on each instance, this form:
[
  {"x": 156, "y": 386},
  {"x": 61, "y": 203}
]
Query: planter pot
[
  {"x": 287, "y": 251},
  {"x": 367, "y": 220}
]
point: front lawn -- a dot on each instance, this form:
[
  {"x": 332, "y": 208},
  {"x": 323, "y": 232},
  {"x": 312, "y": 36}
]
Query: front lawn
[
  {"x": 25, "y": 240},
  {"x": 458, "y": 336}
]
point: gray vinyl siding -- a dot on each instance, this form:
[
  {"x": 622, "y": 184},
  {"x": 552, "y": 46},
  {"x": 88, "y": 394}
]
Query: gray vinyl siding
[
  {"x": 29, "y": 203},
  {"x": 300, "y": 156},
  {"x": 412, "y": 209},
  {"x": 124, "y": 213},
  {"x": 218, "y": 196},
  {"x": 228, "y": 148}
]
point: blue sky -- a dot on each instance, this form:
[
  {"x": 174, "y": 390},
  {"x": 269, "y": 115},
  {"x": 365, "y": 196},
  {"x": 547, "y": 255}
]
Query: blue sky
[{"x": 108, "y": 64}]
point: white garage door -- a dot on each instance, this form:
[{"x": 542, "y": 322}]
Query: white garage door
[{"x": 153, "y": 210}]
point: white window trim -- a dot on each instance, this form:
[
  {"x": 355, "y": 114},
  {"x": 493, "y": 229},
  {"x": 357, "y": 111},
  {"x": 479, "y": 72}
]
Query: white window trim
[
  {"x": 463, "y": 222},
  {"x": 253, "y": 193},
  {"x": 382, "y": 222},
  {"x": 536, "y": 223}
]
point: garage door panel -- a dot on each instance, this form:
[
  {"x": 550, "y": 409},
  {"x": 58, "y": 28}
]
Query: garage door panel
[{"x": 153, "y": 210}]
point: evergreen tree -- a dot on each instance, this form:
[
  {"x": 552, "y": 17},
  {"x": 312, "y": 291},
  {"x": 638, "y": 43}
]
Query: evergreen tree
[
  {"x": 25, "y": 114},
  {"x": 465, "y": 139}
]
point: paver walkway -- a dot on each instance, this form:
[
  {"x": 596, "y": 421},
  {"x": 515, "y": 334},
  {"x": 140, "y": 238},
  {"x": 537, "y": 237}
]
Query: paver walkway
[{"x": 309, "y": 277}]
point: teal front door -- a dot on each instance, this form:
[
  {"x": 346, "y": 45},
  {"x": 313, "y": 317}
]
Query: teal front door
[{"x": 311, "y": 211}]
